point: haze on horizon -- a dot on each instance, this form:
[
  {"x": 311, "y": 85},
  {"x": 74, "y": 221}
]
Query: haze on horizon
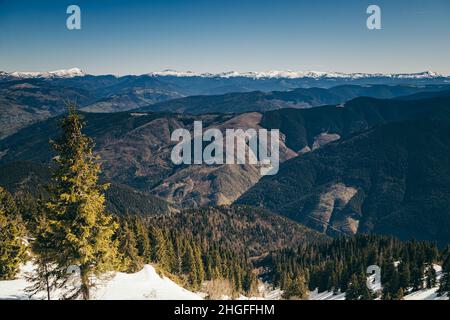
[{"x": 137, "y": 37}]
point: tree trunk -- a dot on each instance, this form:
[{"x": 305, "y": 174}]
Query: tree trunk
[
  {"x": 85, "y": 284},
  {"x": 47, "y": 281}
]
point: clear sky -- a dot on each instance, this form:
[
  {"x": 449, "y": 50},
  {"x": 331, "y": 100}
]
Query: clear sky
[{"x": 136, "y": 37}]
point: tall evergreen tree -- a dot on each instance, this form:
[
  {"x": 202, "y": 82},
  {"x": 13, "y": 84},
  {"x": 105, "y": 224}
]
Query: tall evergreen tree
[
  {"x": 128, "y": 251},
  {"x": 353, "y": 292},
  {"x": 297, "y": 288},
  {"x": 142, "y": 239},
  {"x": 430, "y": 276},
  {"x": 444, "y": 285},
  {"x": 161, "y": 252},
  {"x": 80, "y": 230},
  {"x": 46, "y": 274},
  {"x": 12, "y": 248}
]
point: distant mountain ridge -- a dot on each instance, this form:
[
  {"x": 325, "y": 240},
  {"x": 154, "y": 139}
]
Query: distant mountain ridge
[
  {"x": 288, "y": 74},
  {"x": 299, "y": 98},
  {"x": 63, "y": 73}
]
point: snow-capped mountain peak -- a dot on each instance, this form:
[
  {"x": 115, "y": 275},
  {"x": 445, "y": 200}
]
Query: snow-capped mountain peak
[
  {"x": 271, "y": 74},
  {"x": 63, "y": 73},
  {"x": 289, "y": 74},
  {"x": 174, "y": 73}
]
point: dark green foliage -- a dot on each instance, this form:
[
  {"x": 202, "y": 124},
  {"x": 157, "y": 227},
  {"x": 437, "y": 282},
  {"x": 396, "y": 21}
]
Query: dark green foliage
[
  {"x": 444, "y": 287},
  {"x": 79, "y": 232},
  {"x": 246, "y": 229},
  {"x": 131, "y": 258},
  {"x": 341, "y": 264},
  {"x": 176, "y": 252},
  {"x": 27, "y": 181},
  {"x": 296, "y": 288},
  {"x": 12, "y": 237},
  {"x": 357, "y": 288}
]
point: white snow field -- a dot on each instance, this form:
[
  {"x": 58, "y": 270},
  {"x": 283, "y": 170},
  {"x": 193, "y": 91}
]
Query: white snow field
[
  {"x": 143, "y": 285},
  {"x": 147, "y": 284}
]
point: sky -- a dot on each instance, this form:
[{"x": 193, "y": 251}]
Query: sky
[{"x": 137, "y": 37}]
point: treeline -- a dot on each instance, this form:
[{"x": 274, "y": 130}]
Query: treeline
[
  {"x": 192, "y": 260},
  {"x": 340, "y": 265}
]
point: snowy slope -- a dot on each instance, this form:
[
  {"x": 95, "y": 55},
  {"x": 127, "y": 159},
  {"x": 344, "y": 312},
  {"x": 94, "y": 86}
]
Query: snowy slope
[
  {"x": 148, "y": 285},
  {"x": 143, "y": 285}
]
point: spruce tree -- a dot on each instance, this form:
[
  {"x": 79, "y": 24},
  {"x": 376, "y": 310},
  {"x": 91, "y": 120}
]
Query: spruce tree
[
  {"x": 404, "y": 275},
  {"x": 46, "y": 274},
  {"x": 12, "y": 248},
  {"x": 297, "y": 288},
  {"x": 161, "y": 250},
  {"x": 430, "y": 276},
  {"x": 128, "y": 251},
  {"x": 199, "y": 264},
  {"x": 444, "y": 285},
  {"x": 353, "y": 288},
  {"x": 80, "y": 230},
  {"x": 143, "y": 241}
]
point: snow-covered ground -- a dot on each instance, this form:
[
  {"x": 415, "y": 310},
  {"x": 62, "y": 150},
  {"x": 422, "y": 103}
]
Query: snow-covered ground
[
  {"x": 147, "y": 284},
  {"x": 424, "y": 294},
  {"x": 143, "y": 285}
]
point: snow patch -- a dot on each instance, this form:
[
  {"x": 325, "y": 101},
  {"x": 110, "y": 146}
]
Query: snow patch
[{"x": 146, "y": 284}]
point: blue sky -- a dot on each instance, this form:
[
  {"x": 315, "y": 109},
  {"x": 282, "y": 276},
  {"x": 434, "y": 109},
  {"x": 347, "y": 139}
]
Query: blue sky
[{"x": 135, "y": 37}]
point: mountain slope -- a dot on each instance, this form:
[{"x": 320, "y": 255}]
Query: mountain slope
[
  {"x": 25, "y": 102},
  {"x": 303, "y": 127},
  {"x": 24, "y": 179},
  {"x": 298, "y": 98},
  {"x": 136, "y": 151},
  {"x": 135, "y": 147},
  {"x": 392, "y": 179},
  {"x": 246, "y": 229}
]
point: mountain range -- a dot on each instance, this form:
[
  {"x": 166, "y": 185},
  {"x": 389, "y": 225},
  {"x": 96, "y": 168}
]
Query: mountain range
[
  {"x": 28, "y": 97},
  {"x": 357, "y": 156}
]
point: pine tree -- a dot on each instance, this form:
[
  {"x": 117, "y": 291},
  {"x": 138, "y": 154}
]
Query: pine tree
[
  {"x": 430, "y": 276},
  {"x": 80, "y": 230},
  {"x": 171, "y": 257},
  {"x": 297, "y": 288},
  {"x": 353, "y": 288},
  {"x": 199, "y": 265},
  {"x": 143, "y": 241},
  {"x": 129, "y": 255},
  {"x": 364, "y": 291},
  {"x": 46, "y": 273},
  {"x": 417, "y": 277},
  {"x": 191, "y": 267},
  {"x": 161, "y": 251},
  {"x": 444, "y": 286},
  {"x": 12, "y": 248},
  {"x": 404, "y": 275}
]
